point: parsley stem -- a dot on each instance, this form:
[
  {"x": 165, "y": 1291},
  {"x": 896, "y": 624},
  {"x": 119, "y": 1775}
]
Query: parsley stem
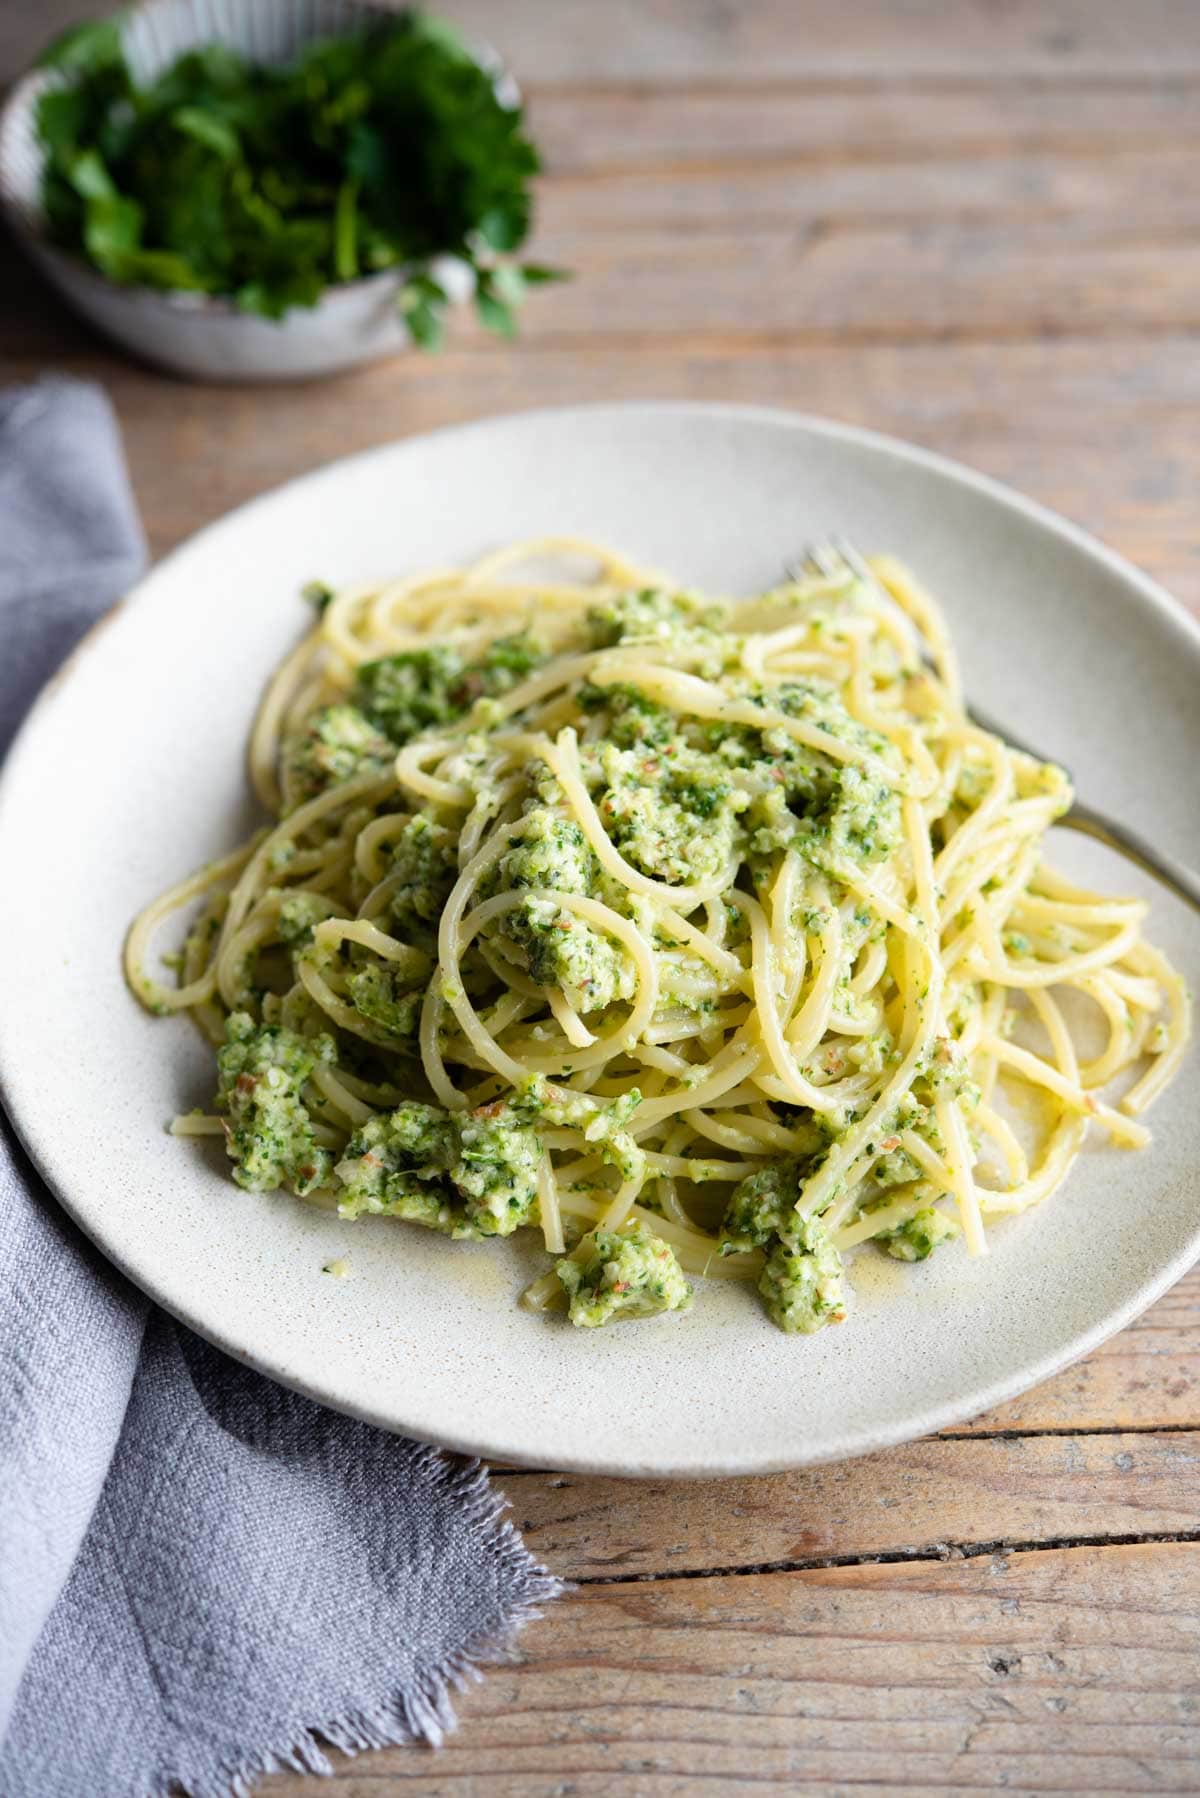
[{"x": 345, "y": 231}]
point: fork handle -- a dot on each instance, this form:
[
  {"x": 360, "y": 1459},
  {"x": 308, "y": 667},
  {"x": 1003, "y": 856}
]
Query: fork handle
[{"x": 1182, "y": 880}]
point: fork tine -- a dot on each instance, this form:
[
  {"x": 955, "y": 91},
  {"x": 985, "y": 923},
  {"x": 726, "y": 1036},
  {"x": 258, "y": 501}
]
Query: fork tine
[
  {"x": 859, "y": 566},
  {"x": 815, "y": 558},
  {"x": 826, "y": 558},
  {"x": 855, "y": 562},
  {"x": 800, "y": 565}
]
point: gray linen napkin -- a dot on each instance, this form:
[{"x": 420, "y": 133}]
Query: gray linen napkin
[{"x": 202, "y": 1576}]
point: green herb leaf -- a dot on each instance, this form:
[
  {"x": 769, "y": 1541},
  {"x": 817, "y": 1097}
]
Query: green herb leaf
[
  {"x": 422, "y": 307},
  {"x": 425, "y": 327},
  {"x": 209, "y": 129},
  {"x": 447, "y": 39},
  {"x": 495, "y": 311},
  {"x": 497, "y": 316},
  {"x": 113, "y": 230},
  {"x": 507, "y": 283},
  {"x": 163, "y": 268},
  {"x": 345, "y": 232},
  {"x": 537, "y": 274},
  {"x": 504, "y": 227},
  {"x": 60, "y": 115},
  {"x": 89, "y": 177}
]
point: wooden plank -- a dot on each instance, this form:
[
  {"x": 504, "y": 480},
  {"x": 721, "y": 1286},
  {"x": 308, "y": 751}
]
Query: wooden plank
[
  {"x": 929, "y": 1497},
  {"x": 927, "y": 281},
  {"x": 1066, "y": 1670},
  {"x": 1159, "y": 188},
  {"x": 613, "y": 129},
  {"x": 769, "y": 40}
]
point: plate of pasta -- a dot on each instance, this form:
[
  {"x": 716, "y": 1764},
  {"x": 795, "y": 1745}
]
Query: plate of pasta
[{"x": 538, "y": 964}]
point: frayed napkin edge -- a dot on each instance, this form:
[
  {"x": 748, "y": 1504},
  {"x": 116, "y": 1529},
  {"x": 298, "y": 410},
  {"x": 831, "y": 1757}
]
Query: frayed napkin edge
[{"x": 396, "y": 1719}]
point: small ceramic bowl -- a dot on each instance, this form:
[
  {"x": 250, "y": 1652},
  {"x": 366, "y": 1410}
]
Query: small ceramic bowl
[{"x": 196, "y": 334}]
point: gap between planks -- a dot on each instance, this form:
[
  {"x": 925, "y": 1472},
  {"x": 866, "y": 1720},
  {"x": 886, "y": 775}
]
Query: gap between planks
[
  {"x": 937, "y": 1551},
  {"x": 895, "y": 159},
  {"x": 937, "y": 1499},
  {"x": 1062, "y": 1671},
  {"x": 905, "y": 84},
  {"x": 653, "y": 343},
  {"x": 1018, "y": 1435},
  {"x": 1012, "y": 1434}
]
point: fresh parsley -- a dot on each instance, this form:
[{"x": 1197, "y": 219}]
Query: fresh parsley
[{"x": 387, "y": 148}]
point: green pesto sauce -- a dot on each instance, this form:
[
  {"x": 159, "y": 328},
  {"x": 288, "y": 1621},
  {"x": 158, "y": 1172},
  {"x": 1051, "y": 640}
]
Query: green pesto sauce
[
  {"x": 386, "y": 999},
  {"x": 562, "y": 950},
  {"x": 299, "y": 914},
  {"x": 917, "y": 1239},
  {"x": 760, "y": 1205},
  {"x": 337, "y": 743},
  {"x": 405, "y": 694},
  {"x": 801, "y": 1283},
  {"x": 626, "y": 1273},
  {"x": 424, "y": 867},
  {"x": 269, "y": 1135},
  {"x": 466, "y": 1174}
]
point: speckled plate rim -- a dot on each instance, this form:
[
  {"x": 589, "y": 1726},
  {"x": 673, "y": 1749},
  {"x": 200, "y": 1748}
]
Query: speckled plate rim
[{"x": 17, "y": 1081}]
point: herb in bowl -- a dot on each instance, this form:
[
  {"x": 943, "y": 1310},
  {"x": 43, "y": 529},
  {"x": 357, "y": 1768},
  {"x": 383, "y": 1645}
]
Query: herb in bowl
[{"x": 383, "y": 149}]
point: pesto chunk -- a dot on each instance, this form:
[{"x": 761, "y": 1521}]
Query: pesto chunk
[
  {"x": 802, "y": 1281},
  {"x": 551, "y": 852},
  {"x": 269, "y": 1135},
  {"x": 424, "y": 868},
  {"x": 466, "y": 1174},
  {"x": 760, "y": 1206},
  {"x": 405, "y": 694},
  {"x": 917, "y": 1239},
  {"x": 507, "y": 661},
  {"x": 626, "y": 1273},
  {"x": 551, "y": 855},
  {"x": 496, "y": 1168},
  {"x": 652, "y": 616},
  {"x": 336, "y": 744},
  {"x": 564, "y": 951},
  {"x": 419, "y": 689},
  {"x": 676, "y": 827},
  {"x": 383, "y": 997},
  {"x": 299, "y": 914},
  {"x": 633, "y": 719}
]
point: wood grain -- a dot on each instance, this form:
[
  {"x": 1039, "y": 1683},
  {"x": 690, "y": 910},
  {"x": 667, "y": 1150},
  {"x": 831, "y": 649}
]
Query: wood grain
[
  {"x": 976, "y": 226},
  {"x": 1052, "y": 1671},
  {"x": 675, "y": 41},
  {"x": 930, "y": 1498},
  {"x": 608, "y": 129}
]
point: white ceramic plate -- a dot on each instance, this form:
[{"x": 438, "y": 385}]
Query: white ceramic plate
[{"x": 131, "y": 770}]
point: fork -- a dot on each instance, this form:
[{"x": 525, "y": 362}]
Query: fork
[{"x": 836, "y": 558}]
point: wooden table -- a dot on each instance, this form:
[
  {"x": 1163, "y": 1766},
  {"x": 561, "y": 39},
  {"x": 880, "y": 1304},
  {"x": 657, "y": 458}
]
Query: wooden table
[{"x": 976, "y": 225}]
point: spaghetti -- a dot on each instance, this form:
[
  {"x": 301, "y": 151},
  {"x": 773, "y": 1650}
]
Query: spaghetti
[{"x": 714, "y": 939}]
